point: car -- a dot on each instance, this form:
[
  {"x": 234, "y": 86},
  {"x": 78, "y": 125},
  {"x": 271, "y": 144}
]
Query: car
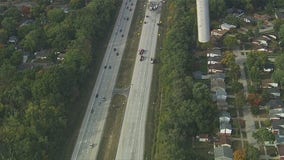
[
  {"x": 141, "y": 58},
  {"x": 141, "y": 51}
]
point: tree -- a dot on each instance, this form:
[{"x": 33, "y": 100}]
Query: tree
[
  {"x": 34, "y": 40},
  {"x": 3, "y": 36},
  {"x": 262, "y": 135},
  {"x": 9, "y": 24},
  {"x": 76, "y": 4},
  {"x": 240, "y": 154},
  {"x": 240, "y": 99},
  {"x": 252, "y": 153},
  {"x": 230, "y": 41},
  {"x": 55, "y": 15}
]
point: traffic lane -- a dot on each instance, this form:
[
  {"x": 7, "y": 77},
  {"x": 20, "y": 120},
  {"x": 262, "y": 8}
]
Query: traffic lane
[
  {"x": 88, "y": 124},
  {"x": 131, "y": 139}
]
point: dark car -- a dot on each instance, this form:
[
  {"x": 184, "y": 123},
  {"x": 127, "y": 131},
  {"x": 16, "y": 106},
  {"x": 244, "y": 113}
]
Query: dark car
[
  {"x": 141, "y": 51},
  {"x": 141, "y": 58}
]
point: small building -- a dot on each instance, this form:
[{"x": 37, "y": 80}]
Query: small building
[
  {"x": 226, "y": 26},
  {"x": 281, "y": 151},
  {"x": 268, "y": 83},
  {"x": 219, "y": 33},
  {"x": 217, "y": 83},
  {"x": 215, "y": 68},
  {"x": 13, "y": 39},
  {"x": 223, "y": 152},
  {"x": 43, "y": 54},
  {"x": 276, "y": 114},
  {"x": 203, "y": 138},
  {"x": 278, "y": 127}
]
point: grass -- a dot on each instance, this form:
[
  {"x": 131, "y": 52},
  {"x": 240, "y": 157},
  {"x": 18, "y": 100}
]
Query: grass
[
  {"x": 154, "y": 106},
  {"x": 256, "y": 125},
  {"x": 203, "y": 149},
  {"x": 128, "y": 60},
  {"x": 109, "y": 143}
]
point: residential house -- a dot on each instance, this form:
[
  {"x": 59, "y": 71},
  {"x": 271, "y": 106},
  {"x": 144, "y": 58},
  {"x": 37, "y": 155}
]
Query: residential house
[
  {"x": 221, "y": 94},
  {"x": 281, "y": 151},
  {"x": 276, "y": 113},
  {"x": 13, "y": 39},
  {"x": 222, "y": 104},
  {"x": 268, "y": 68},
  {"x": 203, "y": 137},
  {"x": 223, "y": 152},
  {"x": 215, "y": 68},
  {"x": 225, "y": 117},
  {"x": 268, "y": 83},
  {"x": 43, "y": 54},
  {"x": 226, "y": 26},
  {"x": 274, "y": 104},
  {"x": 218, "y": 33},
  {"x": 217, "y": 83},
  {"x": 274, "y": 91},
  {"x": 224, "y": 122},
  {"x": 278, "y": 126}
]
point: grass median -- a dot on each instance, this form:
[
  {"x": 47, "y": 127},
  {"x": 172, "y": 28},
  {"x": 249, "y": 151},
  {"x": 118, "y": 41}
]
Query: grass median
[{"x": 109, "y": 143}]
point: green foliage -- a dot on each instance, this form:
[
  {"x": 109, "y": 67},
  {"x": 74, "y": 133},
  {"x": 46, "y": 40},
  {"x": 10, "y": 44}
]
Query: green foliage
[
  {"x": 76, "y": 4},
  {"x": 217, "y": 8},
  {"x": 262, "y": 135},
  {"x": 9, "y": 24},
  {"x": 252, "y": 153},
  {"x": 34, "y": 104},
  {"x": 184, "y": 102},
  {"x": 55, "y": 15},
  {"x": 230, "y": 41}
]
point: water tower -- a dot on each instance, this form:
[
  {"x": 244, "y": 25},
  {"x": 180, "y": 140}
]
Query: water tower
[{"x": 203, "y": 21}]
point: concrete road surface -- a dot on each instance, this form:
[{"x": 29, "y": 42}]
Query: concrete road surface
[
  {"x": 90, "y": 134},
  {"x": 132, "y": 137}
]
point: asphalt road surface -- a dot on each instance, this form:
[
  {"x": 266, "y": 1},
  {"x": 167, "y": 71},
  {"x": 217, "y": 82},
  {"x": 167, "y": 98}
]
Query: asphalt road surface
[
  {"x": 91, "y": 130},
  {"x": 132, "y": 137}
]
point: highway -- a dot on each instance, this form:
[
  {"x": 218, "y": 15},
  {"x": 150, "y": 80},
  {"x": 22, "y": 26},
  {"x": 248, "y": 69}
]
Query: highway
[
  {"x": 89, "y": 138},
  {"x": 132, "y": 137}
]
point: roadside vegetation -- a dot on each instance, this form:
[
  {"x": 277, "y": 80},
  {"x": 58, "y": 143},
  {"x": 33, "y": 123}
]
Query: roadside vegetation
[
  {"x": 184, "y": 102},
  {"x": 36, "y": 103}
]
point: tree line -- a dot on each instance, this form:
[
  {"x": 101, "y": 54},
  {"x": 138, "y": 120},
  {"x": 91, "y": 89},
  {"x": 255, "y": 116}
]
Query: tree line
[
  {"x": 186, "y": 106},
  {"x": 34, "y": 104}
]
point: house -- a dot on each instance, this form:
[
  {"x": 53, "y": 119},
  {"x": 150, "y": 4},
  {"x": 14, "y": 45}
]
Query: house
[
  {"x": 274, "y": 104},
  {"x": 222, "y": 104},
  {"x": 215, "y": 68},
  {"x": 226, "y": 26},
  {"x": 276, "y": 113},
  {"x": 60, "y": 57},
  {"x": 279, "y": 139},
  {"x": 224, "y": 139},
  {"x": 224, "y": 122},
  {"x": 281, "y": 151},
  {"x": 225, "y": 117},
  {"x": 268, "y": 83},
  {"x": 217, "y": 83},
  {"x": 43, "y": 54},
  {"x": 13, "y": 39},
  {"x": 223, "y": 152},
  {"x": 221, "y": 94},
  {"x": 277, "y": 127},
  {"x": 219, "y": 33},
  {"x": 274, "y": 91},
  {"x": 203, "y": 137}
]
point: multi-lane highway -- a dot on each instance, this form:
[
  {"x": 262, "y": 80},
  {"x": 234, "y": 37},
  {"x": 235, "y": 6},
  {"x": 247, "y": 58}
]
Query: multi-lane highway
[
  {"x": 91, "y": 130},
  {"x": 132, "y": 137}
]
